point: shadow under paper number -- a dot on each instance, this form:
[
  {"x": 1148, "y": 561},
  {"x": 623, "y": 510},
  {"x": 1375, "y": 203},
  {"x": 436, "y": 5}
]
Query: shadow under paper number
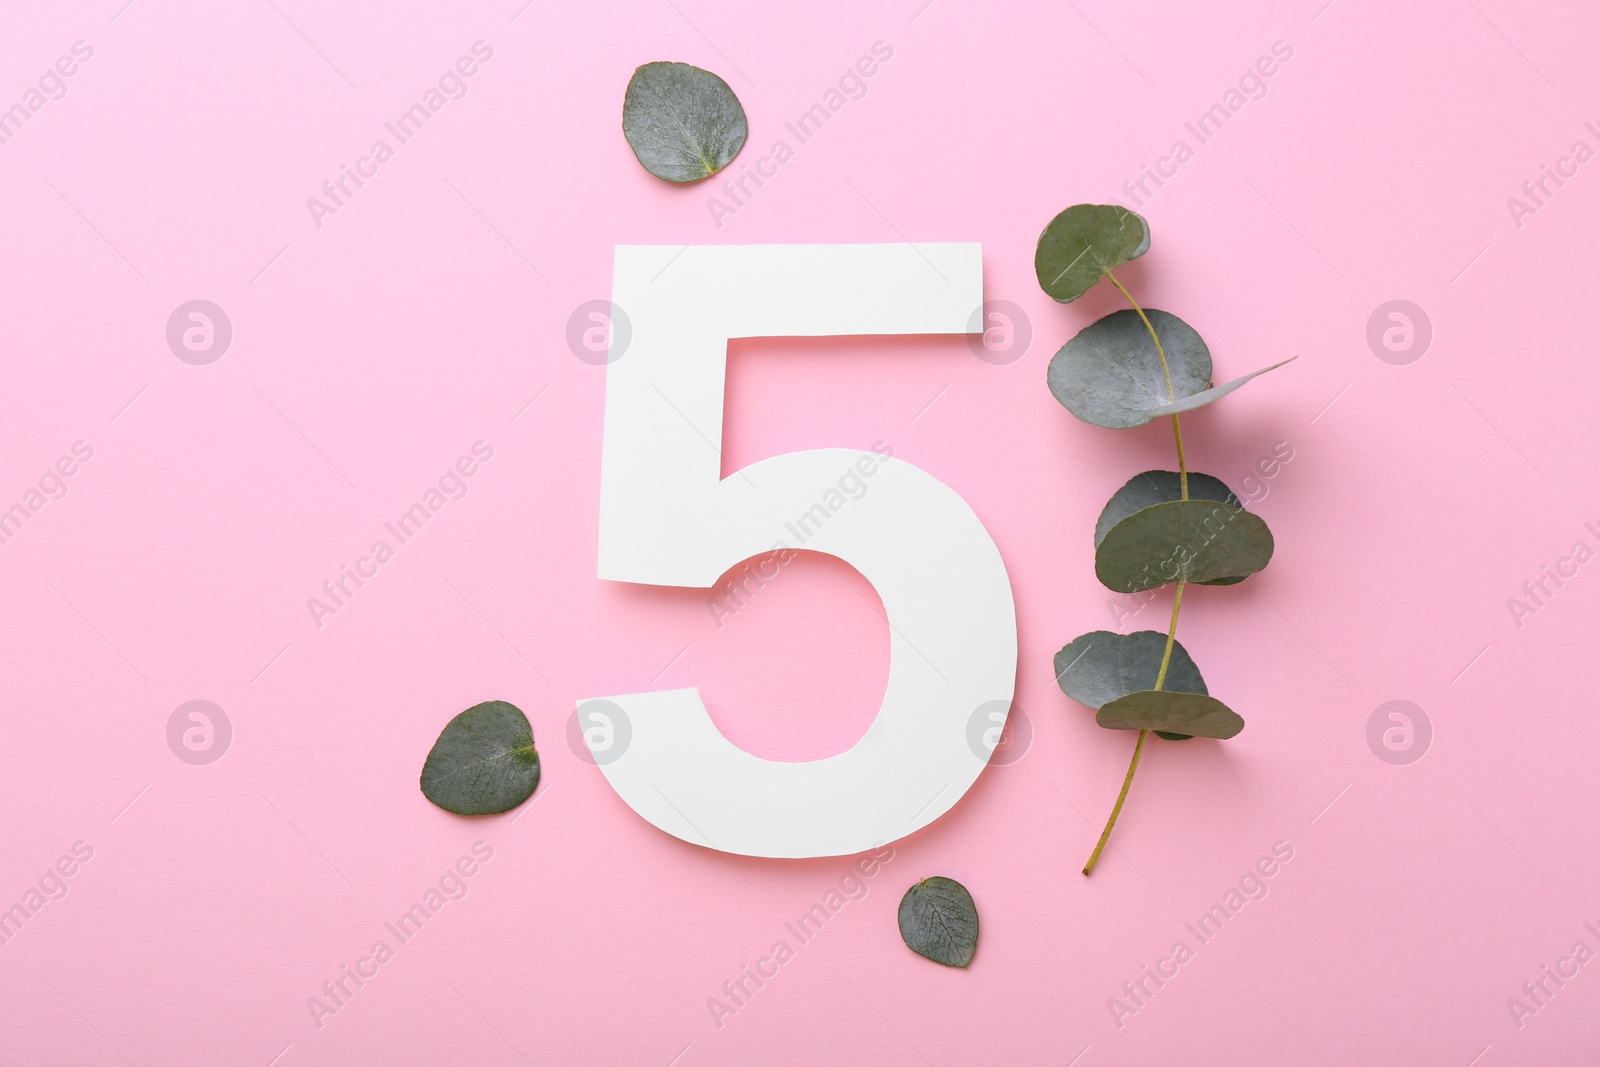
[
  {"x": 199, "y": 332},
  {"x": 199, "y": 732},
  {"x": 599, "y": 732},
  {"x": 1399, "y": 732}
]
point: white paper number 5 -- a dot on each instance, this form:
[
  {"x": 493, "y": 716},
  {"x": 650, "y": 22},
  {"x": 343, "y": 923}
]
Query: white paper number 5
[{"x": 667, "y": 517}]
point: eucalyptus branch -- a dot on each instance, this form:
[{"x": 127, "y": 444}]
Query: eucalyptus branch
[{"x": 1162, "y": 526}]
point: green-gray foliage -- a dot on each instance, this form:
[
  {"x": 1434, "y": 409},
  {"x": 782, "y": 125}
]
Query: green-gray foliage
[
  {"x": 1201, "y": 399},
  {"x": 1082, "y": 243},
  {"x": 682, "y": 122},
  {"x": 938, "y": 920},
  {"x": 1111, "y": 375},
  {"x": 1190, "y": 714},
  {"x": 484, "y": 761},
  {"x": 1158, "y": 487},
  {"x": 1119, "y": 372},
  {"x": 1192, "y": 540},
  {"x": 1102, "y": 666}
]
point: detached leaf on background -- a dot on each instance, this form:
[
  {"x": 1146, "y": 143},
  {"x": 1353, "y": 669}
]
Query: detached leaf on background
[
  {"x": 484, "y": 761},
  {"x": 938, "y": 920},
  {"x": 683, "y": 123}
]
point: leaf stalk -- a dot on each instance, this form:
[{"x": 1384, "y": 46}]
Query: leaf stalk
[
  {"x": 1177, "y": 433},
  {"x": 1177, "y": 596}
]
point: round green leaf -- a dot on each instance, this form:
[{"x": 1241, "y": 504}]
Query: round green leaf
[
  {"x": 1102, "y": 666},
  {"x": 682, "y": 122},
  {"x": 1110, "y": 374},
  {"x": 1082, "y": 243},
  {"x": 484, "y": 761},
  {"x": 1158, "y": 487},
  {"x": 1191, "y": 714},
  {"x": 1198, "y": 540},
  {"x": 938, "y": 920}
]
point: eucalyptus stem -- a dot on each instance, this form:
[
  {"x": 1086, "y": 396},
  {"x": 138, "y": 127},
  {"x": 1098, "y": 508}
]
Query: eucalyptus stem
[
  {"x": 1177, "y": 434},
  {"x": 1177, "y": 437},
  {"x": 1105, "y": 835},
  {"x": 1172, "y": 633},
  {"x": 1177, "y": 596},
  {"x": 1138, "y": 749}
]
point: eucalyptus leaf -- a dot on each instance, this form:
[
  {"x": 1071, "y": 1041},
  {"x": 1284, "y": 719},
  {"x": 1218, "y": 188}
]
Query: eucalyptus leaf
[
  {"x": 1102, "y": 666},
  {"x": 484, "y": 761},
  {"x": 1110, "y": 374},
  {"x": 1201, "y": 399},
  {"x": 938, "y": 920},
  {"x": 682, "y": 122},
  {"x": 1193, "y": 714},
  {"x": 1198, "y": 540},
  {"x": 1082, "y": 243},
  {"x": 1158, "y": 487},
  {"x": 1123, "y": 371}
]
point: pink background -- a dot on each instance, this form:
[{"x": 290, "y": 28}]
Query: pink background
[{"x": 369, "y": 353}]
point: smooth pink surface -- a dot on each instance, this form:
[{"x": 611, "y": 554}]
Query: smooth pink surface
[{"x": 426, "y": 313}]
